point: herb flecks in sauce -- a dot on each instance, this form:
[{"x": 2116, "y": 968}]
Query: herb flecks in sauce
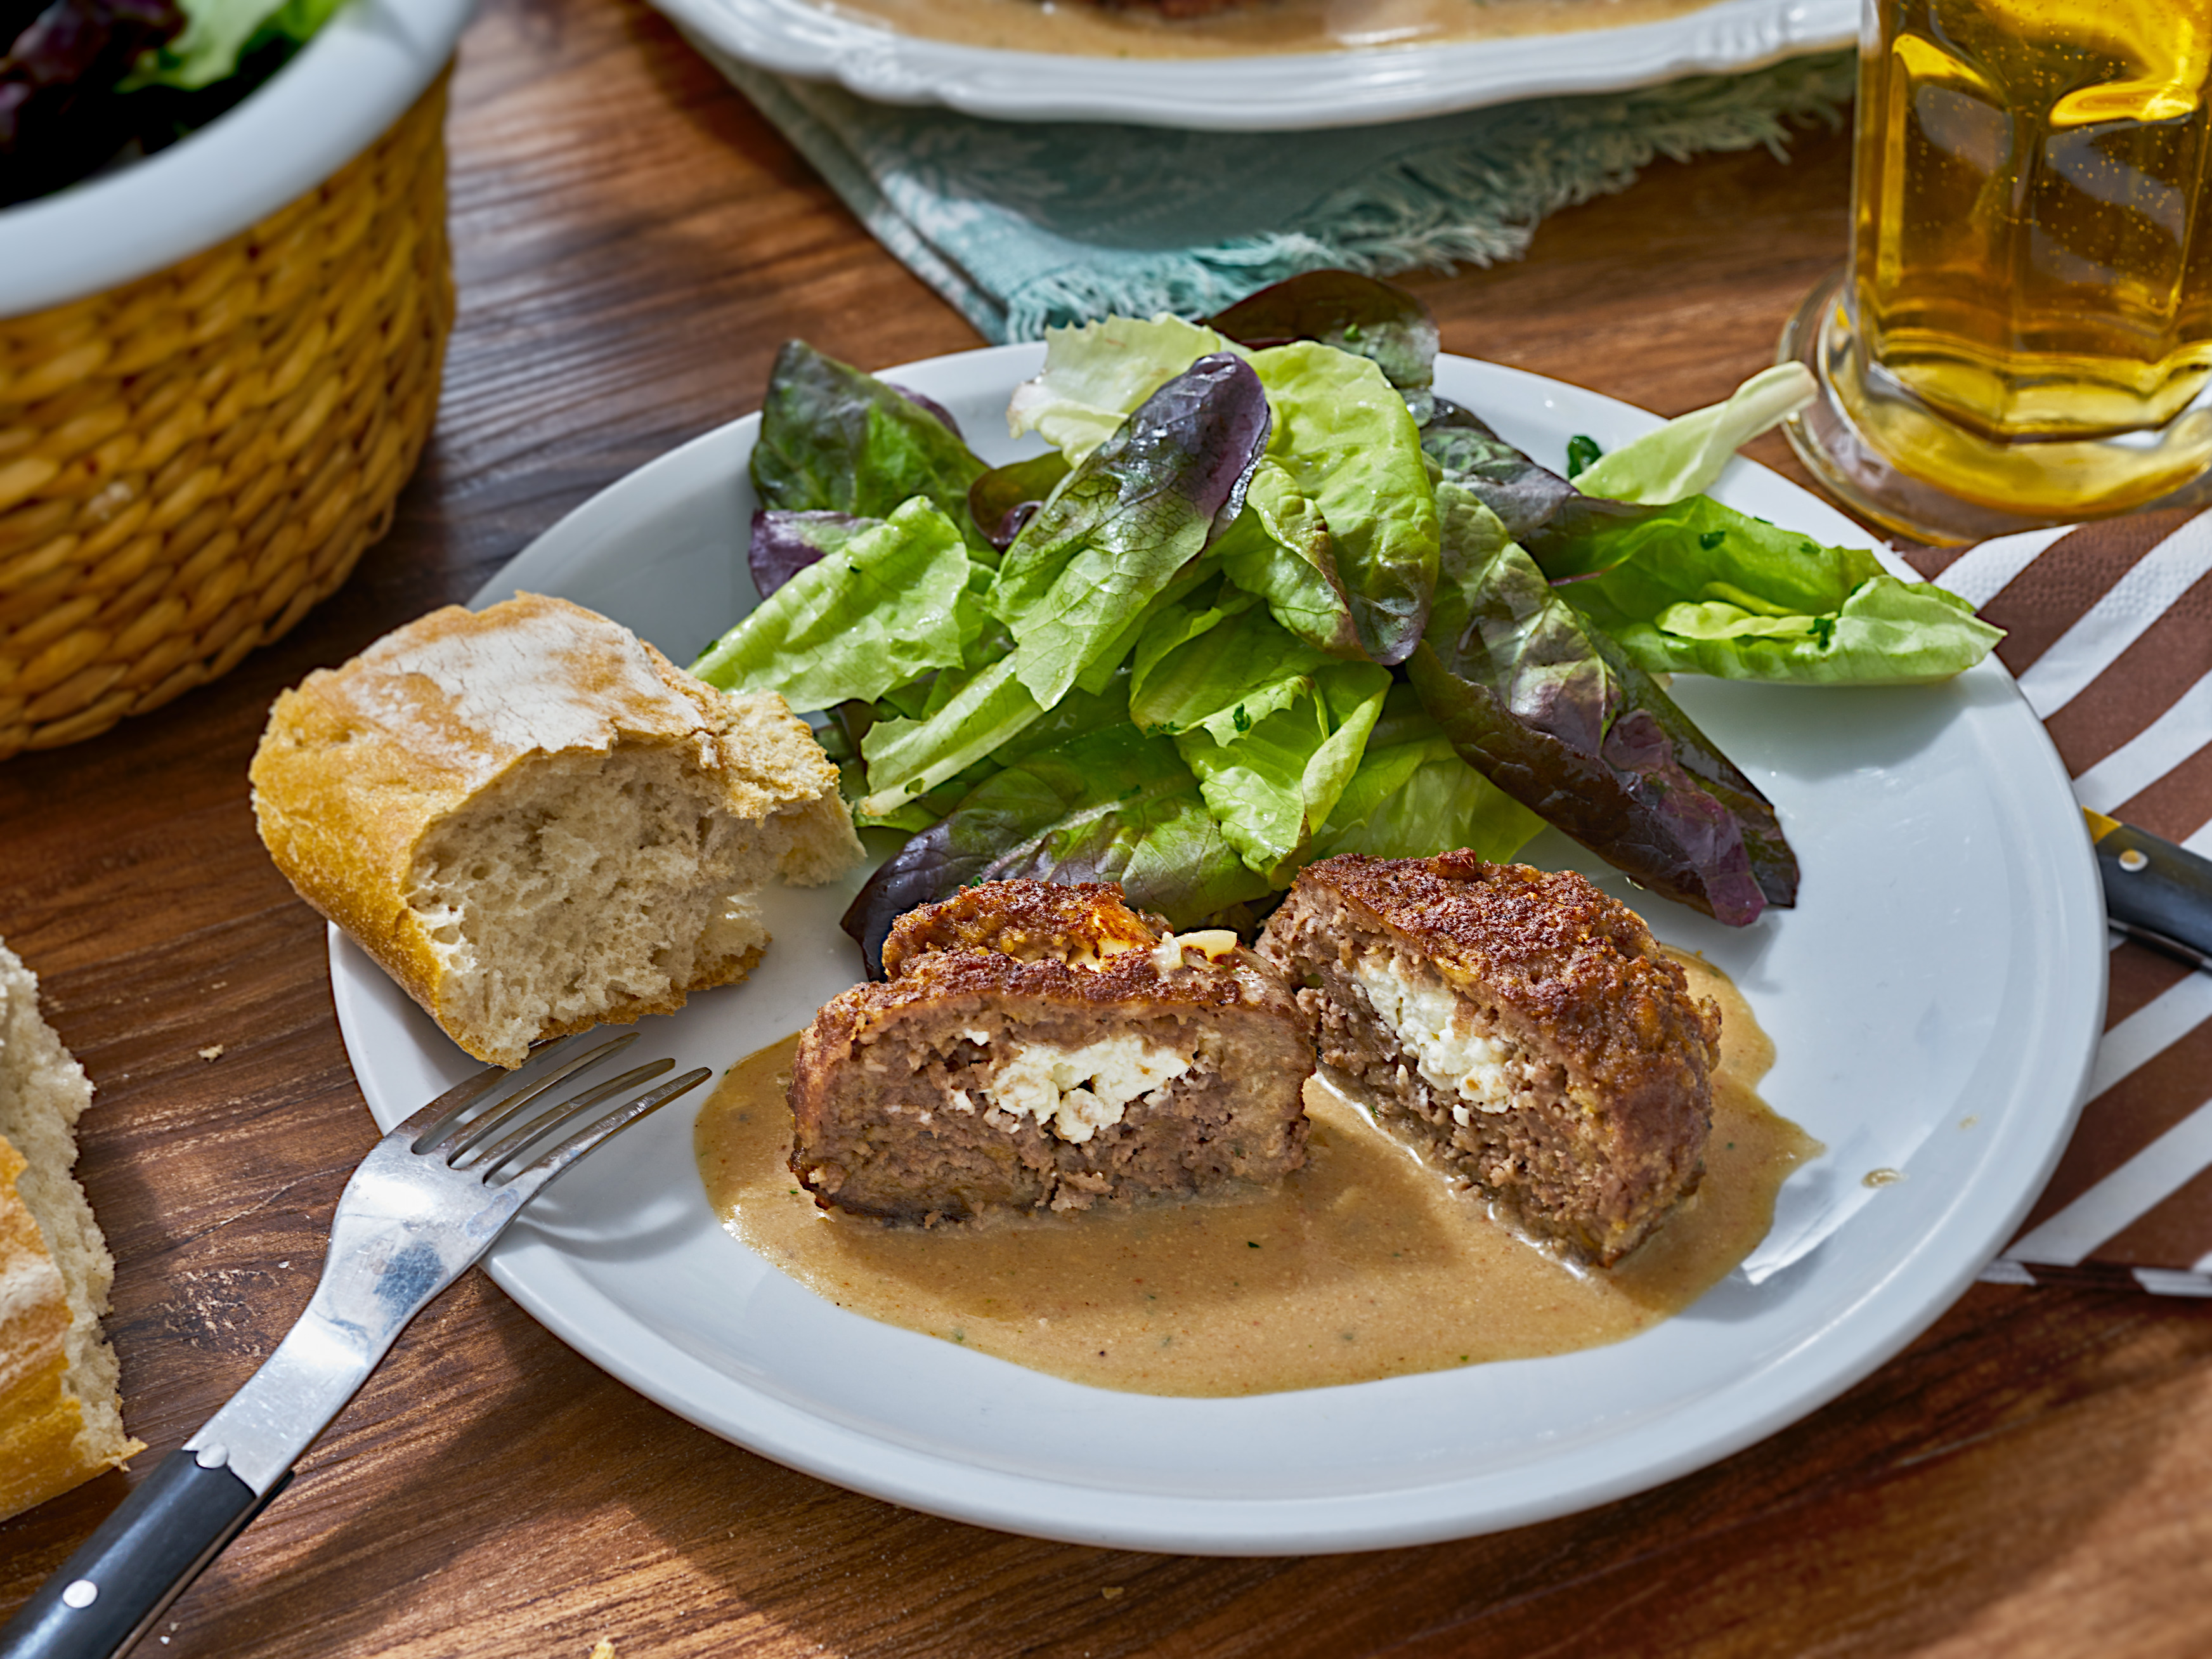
[{"x": 1364, "y": 1264}]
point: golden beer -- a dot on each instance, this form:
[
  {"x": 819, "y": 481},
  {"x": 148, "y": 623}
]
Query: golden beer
[{"x": 2028, "y": 320}]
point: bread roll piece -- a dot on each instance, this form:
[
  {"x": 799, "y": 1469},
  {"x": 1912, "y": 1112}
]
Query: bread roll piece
[
  {"x": 1518, "y": 1027},
  {"x": 536, "y": 824},
  {"x": 61, "y": 1421},
  {"x": 1044, "y": 1048}
]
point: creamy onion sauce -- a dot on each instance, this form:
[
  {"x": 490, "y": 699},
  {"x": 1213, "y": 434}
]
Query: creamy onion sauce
[
  {"x": 1365, "y": 1263},
  {"x": 1080, "y": 28}
]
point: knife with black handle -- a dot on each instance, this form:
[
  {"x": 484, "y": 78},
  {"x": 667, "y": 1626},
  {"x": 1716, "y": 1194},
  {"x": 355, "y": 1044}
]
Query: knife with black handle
[{"x": 2156, "y": 893}]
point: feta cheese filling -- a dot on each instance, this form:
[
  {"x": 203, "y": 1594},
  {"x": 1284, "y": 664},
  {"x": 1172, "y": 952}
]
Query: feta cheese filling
[
  {"x": 1430, "y": 1024},
  {"x": 1076, "y": 1092}
]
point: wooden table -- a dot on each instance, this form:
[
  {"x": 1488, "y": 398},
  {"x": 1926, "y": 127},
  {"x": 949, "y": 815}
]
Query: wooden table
[{"x": 2030, "y": 1477}]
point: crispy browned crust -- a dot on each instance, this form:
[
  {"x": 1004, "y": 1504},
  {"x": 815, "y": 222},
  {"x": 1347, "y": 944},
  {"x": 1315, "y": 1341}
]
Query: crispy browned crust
[
  {"x": 1580, "y": 965},
  {"x": 1026, "y": 919},
  {"x": 1000, "y": 956},
  {"x": 1576, "y": 977}
]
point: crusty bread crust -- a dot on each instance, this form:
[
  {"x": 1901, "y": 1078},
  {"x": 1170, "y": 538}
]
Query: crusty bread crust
[
  {"x": 361, "y": 764},
  {"x": 60, "y": 1422}
]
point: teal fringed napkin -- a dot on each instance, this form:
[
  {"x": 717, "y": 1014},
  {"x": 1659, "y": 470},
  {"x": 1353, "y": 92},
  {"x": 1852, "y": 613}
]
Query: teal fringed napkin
[{"x": 1023, "y": 224}]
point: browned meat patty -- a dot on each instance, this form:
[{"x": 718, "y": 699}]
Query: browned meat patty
[
  {"x": 1040, "y": 1047},
  {"x": 1519, "y": 1028}
]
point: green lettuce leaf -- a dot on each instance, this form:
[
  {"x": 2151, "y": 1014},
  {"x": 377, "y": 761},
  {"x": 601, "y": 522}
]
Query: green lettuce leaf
[
  {"x": 908, "y": 757},
  {"x": 1221, "y": 668},
  {"x": 835, "y": 440},
  {"x": 1131, "y": 516},
  {"x": 1685, "y": 457},
  {"x": 895, "y": 602},
  {"x": 1701, "y": 588},
  {"x": 1094, "y": 375},
  {"x": 1345, "y": 438},
  {"x": 1110, "y": 804},
  {"x": 218, "y": 34},
  {"x": 1413, "y": 797},
  {"x": 1280, "y": 550},
  {"x": 1271, "y": 785},
  {"x": 1078, "y": 712}
]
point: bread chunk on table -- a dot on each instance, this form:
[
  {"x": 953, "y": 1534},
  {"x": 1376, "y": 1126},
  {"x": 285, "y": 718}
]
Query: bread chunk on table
[
  {"x": 61, "y": 1420},
  {"x": 1044, "y": 1048},
  {"x": 1519, "y": 1028},
  {"x": 536, "y": 824}
]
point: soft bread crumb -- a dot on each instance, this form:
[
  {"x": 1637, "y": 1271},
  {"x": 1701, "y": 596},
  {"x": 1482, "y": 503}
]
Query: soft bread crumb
[
  {"x": 60, "y": 1418},
  {"x": 536, "y": 824}
]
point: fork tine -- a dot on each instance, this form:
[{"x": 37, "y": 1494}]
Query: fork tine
[
  {"x": 457, "y": 1100},
  {"x": 546, "y": 1122},
  {"x": 440, "y": 1133},
  {"x": 551, "y": 1163}
]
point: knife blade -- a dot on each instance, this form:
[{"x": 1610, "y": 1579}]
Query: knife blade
[{"x": 2155, "y": 892}]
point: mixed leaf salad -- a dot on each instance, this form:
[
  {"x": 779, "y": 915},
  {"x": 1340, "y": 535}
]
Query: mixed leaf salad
[
  {"x": 85, "y": 82},
  {"x": 1268, "y": 598}
]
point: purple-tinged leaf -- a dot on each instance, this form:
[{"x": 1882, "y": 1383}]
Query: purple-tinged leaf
[
  {"x": 1138, "y": 509},
  {"x": 833, "y": 438},
  {"x": 1539, "y": 508},
  {"x": 929, "y": 405},
  {"x": 1546, "y": 707},
  {"x": 1369, "y": 319},
  {"x": 1007, "y": 498},
  {"x": 1110, "y": 804},
  {"x": 785, "y": 544}
]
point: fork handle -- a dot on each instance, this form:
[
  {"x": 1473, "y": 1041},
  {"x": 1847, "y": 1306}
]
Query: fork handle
[{"x": 123, "y": 1577}]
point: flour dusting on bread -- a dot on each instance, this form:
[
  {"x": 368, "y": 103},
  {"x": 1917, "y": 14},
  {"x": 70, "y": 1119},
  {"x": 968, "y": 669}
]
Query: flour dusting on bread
[{"x": 536, "y": 824}]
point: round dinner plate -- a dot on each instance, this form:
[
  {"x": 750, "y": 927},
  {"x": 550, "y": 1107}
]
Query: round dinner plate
[
  {"x": 1263, "y": 93},
  {"x": 1934, "y": 1000}
]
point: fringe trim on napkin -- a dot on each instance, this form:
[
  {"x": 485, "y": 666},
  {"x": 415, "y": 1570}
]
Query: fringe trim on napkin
[
  {"x": 1023, "y": 225},
  {"x": 1474, "y": 199}
]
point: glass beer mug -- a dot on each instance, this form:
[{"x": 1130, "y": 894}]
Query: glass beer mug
[{"x": 2024, "y": 333}]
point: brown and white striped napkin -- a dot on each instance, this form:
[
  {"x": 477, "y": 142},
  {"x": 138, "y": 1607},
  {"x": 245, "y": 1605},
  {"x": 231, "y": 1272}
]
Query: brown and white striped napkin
[{"x": 2109, "y": 631}]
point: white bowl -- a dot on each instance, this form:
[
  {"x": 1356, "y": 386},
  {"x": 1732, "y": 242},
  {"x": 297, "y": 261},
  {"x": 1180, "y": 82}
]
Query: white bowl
[{"x": 357, "y": 77}]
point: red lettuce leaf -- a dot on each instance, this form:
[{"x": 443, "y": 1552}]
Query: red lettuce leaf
[
  {"x": 61, "y": 117},
  {"x": 1546, "y": 707},
  {"x": 1541, "y": 510},
  {"x": 835, "y": 440},
  {"x": 1369, "y": 319},
  {"x": 784, "y": 543},
  {"x": 1007, "y": 498}
]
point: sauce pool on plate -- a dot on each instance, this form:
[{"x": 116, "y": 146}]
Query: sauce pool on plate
[{"x": 1364, "y": 1264}]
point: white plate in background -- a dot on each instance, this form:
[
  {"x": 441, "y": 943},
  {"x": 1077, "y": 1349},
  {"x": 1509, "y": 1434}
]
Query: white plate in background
[
  {"x": 1934, "y": 1001},
  {"x": 1262, "y": 93}
]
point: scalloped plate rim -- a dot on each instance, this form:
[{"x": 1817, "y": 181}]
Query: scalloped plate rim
[{"x": 1267, "y": 92}]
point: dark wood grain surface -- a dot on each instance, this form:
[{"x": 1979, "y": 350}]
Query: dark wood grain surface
[{"x": 2030, "y": 1477}]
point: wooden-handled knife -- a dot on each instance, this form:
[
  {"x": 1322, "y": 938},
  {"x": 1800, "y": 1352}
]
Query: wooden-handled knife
[{"x": 2154, "y": 893}]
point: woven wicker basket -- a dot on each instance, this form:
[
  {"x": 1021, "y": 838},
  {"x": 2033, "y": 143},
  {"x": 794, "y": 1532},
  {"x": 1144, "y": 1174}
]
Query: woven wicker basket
[{"x": 189, "y": 461}]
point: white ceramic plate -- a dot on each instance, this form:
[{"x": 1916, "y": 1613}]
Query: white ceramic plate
[
  {"x": 1935, "y": 1000},
  {"x": 1267, "y": 92}
]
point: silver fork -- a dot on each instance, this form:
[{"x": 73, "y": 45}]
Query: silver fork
[{"x": 426, "y": 1202}]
